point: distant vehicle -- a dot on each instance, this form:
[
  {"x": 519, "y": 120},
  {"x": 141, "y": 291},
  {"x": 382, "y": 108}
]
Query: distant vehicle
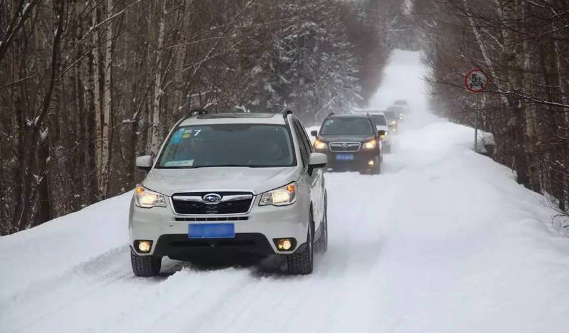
[
  {"x": 399, "y": 111},
  {"x": 378, "y": 118},
  {"x": 247, "y": 182},
  {"x": 401, "y": 108},
  {"x": 351, "y": 142},
  {"x": 401, "y": 102},
  {"x": 391, "y": 120}
]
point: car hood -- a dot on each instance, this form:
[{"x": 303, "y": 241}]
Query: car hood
[
  {"x": 257, "y": 180},
  {"x": 345, "y": 138}
]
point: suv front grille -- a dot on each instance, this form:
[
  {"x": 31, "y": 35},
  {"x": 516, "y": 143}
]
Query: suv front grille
[
  {"x": 231, "y": 203},
  {"x": 345, "y": 146}
]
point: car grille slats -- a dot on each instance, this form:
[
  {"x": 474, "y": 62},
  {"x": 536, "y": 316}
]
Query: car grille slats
[
  {"x": 192, "y": 203},
  {"x": 212, "y": 219},
  {"x": 345, "y": 146}
]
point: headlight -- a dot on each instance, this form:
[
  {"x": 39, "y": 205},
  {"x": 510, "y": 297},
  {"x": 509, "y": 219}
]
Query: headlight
[
  {"x": 283, "y": 196},
  {"x": 145, "y": 198},
  {"x": 370, "y": 144},
  {"x": 320, "y": 145},
  {"x": 394, "y": 122}
]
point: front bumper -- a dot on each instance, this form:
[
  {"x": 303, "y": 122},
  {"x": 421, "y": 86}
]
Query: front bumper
[
  {"x": 255, "y": 231},
  {"x": 360, "y": 161}
]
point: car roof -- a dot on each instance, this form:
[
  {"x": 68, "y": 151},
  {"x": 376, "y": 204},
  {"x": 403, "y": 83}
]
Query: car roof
[
  {"x": 349, "y": 115},
  {"x": 370, "y": 112},
  {"x": 235, "y": 118}
]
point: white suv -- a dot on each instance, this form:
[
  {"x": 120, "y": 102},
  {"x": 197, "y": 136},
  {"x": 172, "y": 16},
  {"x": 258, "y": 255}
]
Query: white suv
[{"x": 226, "y": 183}]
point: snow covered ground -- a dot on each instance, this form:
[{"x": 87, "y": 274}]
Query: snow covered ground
[{"x": 443, "y": 241}]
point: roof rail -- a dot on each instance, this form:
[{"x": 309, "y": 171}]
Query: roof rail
[
  {"x": 286, "y": 112},
  {"x": 195, "y": 112}
]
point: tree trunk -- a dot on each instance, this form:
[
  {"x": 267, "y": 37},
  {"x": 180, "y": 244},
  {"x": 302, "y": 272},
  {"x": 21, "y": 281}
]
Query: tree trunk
[
  {"x": 97, "y": 98},
  {"x": 156, "y": 126},
  {"x": 107, "y": 109}
]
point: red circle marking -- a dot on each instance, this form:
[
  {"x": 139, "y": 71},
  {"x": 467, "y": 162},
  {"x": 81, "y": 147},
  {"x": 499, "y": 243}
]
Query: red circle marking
[{"x": 468, "y": 87}]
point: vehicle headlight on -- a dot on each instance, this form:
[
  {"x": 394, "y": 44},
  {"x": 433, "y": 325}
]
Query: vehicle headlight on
[
  {"x": 394, "y": 122},
  {"x": 282, "y": 196},
  {"x": 370, "y": 144},
  {"x": 145, "y": 198},
  {"x": 320, "y": 145}
]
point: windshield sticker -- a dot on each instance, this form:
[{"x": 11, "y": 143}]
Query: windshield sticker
[
  {"x": 177, "y": 137},
  {"x": 188, "y": 133},
  {"x": 186, "y": 163}
]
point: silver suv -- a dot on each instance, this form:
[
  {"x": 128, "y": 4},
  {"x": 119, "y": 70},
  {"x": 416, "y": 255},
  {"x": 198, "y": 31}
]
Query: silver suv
[{"x": 227, "y": 183}]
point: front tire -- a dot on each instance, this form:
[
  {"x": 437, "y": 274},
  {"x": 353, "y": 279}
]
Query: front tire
[
  {"x": 303, "y": 262},
  {"x": 145, "y": 265}
]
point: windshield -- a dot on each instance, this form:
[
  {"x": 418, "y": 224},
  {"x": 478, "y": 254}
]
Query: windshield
[
  {"x": 389, "y": 115},
  {"x": 347, "y": 126},
  {"x": 235, "y": 145},
  {"x": 378, "y": 120},
  {"x": 396, "y": 108}
]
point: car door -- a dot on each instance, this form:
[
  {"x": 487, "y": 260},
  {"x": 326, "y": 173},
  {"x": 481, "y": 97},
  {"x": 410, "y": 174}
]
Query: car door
[{"x": 314, "y": 180}]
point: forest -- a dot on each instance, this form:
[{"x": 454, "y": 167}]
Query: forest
[
  {"x": 86, "y": 86},
  {"x": 523, "y": 47}
]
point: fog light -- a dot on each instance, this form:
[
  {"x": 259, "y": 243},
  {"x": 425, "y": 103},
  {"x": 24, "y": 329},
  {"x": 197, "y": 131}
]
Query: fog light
[
  {"x": 371, "y": 163},
  {"x": 284, "y": 244},
  {"x": 144, "y": 246}
]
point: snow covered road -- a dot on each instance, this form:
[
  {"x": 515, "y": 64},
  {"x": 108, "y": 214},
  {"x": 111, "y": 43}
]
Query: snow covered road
[{"x": 443, "y": 241}]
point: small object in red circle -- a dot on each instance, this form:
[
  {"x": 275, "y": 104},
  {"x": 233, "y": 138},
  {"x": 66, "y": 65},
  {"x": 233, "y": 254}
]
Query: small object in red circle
[{"x": 476, "y": 81}]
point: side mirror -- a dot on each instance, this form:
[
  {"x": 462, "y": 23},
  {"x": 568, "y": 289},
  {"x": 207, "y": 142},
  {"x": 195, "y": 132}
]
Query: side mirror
[
  {"x": 381, "y": 132},
  {"x": 314, "y": 133},
  {"x": 144, "y": 162},
  {"x": 317, "y": 160}
]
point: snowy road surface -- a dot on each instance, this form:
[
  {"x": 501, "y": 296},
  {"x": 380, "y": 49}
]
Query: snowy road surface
[{"x": 443, "y": 241}]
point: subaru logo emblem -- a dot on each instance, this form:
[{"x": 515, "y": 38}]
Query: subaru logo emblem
[
  {"x": 345, "y": 145},
  {"x": 212, "y": 198}
]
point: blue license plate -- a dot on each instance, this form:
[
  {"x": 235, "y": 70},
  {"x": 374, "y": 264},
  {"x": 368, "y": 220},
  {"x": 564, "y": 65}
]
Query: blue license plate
[
  {"x": 345, "y": 157},
  {"x": 213, "y": 230}
]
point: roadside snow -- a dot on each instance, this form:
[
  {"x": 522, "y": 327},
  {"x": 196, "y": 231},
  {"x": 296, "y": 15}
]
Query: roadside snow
[{"x": 443, "y": 241}]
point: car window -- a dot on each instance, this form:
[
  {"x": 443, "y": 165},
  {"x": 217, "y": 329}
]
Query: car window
[
  {"x": 389, "y": 115},
  {"x": 304, "y": 152},
  {"x": 347, "y": 126},
  {"x": 247, "y": 145},
  {"x": 378, "y": 119}
]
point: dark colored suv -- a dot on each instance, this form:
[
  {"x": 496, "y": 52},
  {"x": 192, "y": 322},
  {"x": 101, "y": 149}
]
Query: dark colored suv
[{"x": 351, "y": 142}]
